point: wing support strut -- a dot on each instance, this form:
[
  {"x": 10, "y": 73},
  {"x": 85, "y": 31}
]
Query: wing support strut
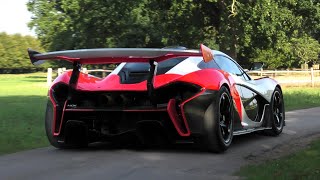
[
  {"x": 74, "y": 78},
  {"x": 150, "y": 81}
]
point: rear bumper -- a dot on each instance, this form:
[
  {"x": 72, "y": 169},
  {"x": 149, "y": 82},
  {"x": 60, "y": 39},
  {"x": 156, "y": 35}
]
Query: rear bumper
[
  {"x": 181, "y": 118},
  {"x": 113, "y": 121}
]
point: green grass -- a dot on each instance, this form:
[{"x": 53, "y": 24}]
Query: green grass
[
  {"x": 301, "y": 97},
  {"x": 302, "y": 165},
  {"x": 23, "y": 101},
  {"x": 22, "y": 105}
]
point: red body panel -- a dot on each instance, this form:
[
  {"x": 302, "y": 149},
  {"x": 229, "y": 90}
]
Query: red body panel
[
  {"x": 172, "y": 111},
  {"x": 213, "y": 81}
]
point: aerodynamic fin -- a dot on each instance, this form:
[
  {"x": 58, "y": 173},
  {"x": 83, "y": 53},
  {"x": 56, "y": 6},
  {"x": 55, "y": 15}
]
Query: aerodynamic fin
[{"x": 206, "y": 53}]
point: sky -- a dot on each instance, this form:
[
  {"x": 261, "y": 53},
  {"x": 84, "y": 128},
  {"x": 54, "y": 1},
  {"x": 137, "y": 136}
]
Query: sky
[{"x": 14, "y": 17}]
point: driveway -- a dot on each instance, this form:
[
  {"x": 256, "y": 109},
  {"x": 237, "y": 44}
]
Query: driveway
[{"x": 181, "y": 162}]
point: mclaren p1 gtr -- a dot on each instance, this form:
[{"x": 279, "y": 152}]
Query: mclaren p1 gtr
[{"x": 158, "y": 95}]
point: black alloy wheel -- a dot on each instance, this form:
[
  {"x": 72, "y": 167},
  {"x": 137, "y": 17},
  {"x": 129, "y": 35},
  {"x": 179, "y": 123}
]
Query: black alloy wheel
[
  {"x": 277, "y": 113},
  {"x": 225, "y": 117},
  {"x": 278, "y": 110},
  {"x": 218, "y": 122}
]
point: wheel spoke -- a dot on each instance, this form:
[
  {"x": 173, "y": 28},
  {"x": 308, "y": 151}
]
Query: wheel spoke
[
  {"x": 279, "y": 102},
  {"x": 276, "y": 101},
  {"x": 222, "y": 124},
  {"x": 281, "y": 115},
  {"x": 277, "y": 118},
  {"x": 222, "y": 130}
]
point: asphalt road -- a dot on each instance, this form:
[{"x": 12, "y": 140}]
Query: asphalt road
[{"x": 178, "y": 163}]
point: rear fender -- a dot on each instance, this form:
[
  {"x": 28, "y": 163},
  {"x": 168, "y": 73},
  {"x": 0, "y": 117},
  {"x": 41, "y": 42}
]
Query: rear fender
[{"x": 210, "y": 79}]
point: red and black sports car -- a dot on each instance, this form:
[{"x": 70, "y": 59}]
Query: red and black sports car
[{"x": 166, "y": 95}]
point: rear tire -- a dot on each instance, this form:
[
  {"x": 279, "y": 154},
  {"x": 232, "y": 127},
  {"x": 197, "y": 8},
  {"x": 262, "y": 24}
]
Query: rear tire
[
  {"x": 49, "y": 128},
  {"x": 218, "y": 123},
  {"x": 54, "y": 141}
]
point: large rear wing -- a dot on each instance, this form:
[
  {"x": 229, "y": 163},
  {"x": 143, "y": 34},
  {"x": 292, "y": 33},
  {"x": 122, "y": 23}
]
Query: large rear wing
[
  {"x": 110, "y": 55},
  {"x": 114, "y": 55},
  {"x": 117, "y": 55}
]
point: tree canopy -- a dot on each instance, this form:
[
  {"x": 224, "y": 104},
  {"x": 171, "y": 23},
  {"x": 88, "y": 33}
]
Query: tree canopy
[
  {"x": 13, "y": 52},
  {"x": 282, "y": 33}
]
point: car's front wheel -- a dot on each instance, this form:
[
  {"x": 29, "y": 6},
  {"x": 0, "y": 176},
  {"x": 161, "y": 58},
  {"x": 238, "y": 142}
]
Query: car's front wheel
[
  {"x": 218, "y": 122},
  {"x": 277, "y": 113}
]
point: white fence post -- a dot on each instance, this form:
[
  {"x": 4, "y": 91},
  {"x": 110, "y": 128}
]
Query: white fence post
[
  {"x": 312, "y": 77},
  {"x": 59, "y": 71},
  {"x": 85, "y": 70},
  {"x": 104, "y": 74},
  {"x": 49, "y": 76}
]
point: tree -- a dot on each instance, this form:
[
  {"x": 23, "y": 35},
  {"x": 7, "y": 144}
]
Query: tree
[
  {"x": 68, "y": 24},
  {"x": 13, "y": 51},
  {"x": 246, "y": 30},
  {"x": 306, "y": 49}
]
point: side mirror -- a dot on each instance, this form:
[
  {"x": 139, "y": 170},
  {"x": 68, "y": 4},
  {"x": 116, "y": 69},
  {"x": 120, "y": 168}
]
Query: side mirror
[{"x": 256, "y": 66}]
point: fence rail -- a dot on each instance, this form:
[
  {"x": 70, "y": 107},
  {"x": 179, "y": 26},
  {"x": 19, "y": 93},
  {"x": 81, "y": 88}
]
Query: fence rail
[
  {"x": 284, "y": 72},
  {"x": 285, "y": 77},
  {"x": 290, "y": 77}
]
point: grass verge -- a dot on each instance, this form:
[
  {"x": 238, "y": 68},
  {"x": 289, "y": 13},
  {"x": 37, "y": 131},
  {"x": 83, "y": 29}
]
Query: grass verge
[
  {"x": 22, "y": 106},
  {"x": 304, "y": 164},
  {"x": 23, "y": 102},
  {"x": 301, "y": 97}
]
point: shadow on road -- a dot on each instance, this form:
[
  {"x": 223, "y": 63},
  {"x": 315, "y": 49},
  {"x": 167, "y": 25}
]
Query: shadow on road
[{"x": 238, "y": 141}]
